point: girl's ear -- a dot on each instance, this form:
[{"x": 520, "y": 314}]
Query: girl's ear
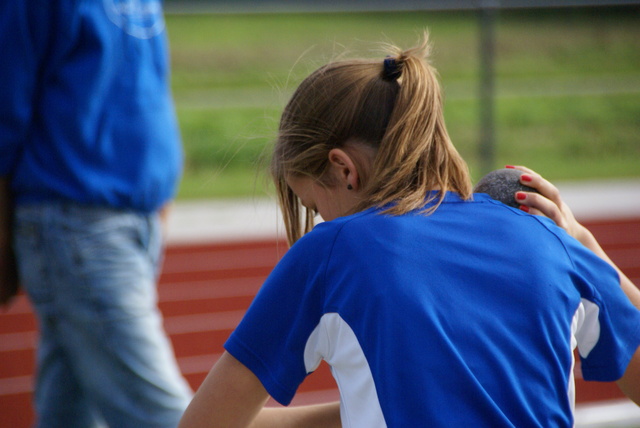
[{"x": 343, "y": 169}]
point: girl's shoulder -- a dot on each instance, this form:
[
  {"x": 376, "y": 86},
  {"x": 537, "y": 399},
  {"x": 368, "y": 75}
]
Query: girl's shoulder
[{"x": 325, "y": 234}]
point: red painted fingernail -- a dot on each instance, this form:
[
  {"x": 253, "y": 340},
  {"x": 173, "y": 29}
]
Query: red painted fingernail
[
  {"x": 521, "y": 196},
  {"x": 526, "y": 177},
  {"x": 524, "y": 208},
  {"x": 509, "y": 166}
]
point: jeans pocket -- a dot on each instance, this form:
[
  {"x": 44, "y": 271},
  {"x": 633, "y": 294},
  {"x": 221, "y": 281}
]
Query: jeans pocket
[{"x": 112, "y": 274}]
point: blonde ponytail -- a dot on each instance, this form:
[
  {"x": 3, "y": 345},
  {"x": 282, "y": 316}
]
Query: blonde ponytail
[
  {"x": 416, "y": 154},
  {"x": 393, "y": 106}
]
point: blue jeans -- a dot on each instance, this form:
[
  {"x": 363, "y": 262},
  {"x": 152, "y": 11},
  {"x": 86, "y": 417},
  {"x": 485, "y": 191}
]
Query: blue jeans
[{"x": 103, "y": 355}]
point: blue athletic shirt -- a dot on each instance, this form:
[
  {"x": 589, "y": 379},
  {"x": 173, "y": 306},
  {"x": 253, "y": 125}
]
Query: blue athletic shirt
[
  {"x": 86, "y": 113},
  {"x": 463, "y": 318}
]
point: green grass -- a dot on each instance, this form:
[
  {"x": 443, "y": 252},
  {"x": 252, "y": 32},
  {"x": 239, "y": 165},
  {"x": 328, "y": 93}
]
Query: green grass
[{"x": 567, "y": 86}]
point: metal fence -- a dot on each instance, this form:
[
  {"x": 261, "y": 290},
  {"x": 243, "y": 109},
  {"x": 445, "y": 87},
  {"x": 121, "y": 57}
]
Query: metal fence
[
  {"x": 486, "y": 10},
  {"x": 267, "y": 6}
]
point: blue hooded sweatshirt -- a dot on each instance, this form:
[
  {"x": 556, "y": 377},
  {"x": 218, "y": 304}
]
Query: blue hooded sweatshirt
[{"x": 86, "y": 113}]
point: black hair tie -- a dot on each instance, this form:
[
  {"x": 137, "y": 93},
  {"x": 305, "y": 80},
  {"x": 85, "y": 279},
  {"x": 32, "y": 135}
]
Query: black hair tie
[{"x": 391, "y": 69}]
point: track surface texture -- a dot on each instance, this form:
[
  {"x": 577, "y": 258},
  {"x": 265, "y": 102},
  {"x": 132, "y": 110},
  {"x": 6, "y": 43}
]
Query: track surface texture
[{"x": 204, "y": 290}]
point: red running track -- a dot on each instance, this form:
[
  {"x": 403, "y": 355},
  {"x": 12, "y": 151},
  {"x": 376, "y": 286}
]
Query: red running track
[{"x": 204, "y": 291}]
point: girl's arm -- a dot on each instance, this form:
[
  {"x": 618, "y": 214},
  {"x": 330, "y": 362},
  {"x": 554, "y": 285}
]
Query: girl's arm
[
  {"x": 232, "y": 396},
  {"x": 549, "y": 203},
  {"x": 314, "y": 416},
  {"x": 629, "y": 383}
]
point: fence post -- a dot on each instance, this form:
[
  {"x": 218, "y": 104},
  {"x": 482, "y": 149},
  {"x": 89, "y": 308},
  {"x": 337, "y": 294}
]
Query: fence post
[{"x": 487, "y": 13}]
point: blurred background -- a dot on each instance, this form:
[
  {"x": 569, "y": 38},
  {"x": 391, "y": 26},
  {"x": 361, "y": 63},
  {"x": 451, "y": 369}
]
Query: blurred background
[
  {"x": 554, "y": 88},
  {"x": 563, "y": 90}
]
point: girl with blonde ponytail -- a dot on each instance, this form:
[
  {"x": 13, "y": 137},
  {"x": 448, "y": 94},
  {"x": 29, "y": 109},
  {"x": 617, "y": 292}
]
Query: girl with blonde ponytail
[
  {"x": 389, "y": 115},
  {"x": 432, "y": 307}
]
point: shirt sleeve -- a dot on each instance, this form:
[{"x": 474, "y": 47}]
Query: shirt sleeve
[
  {"x": 610, "y": 331},
  {"x": 23, "y": 29},
  {"x": 271, "y": 338}
]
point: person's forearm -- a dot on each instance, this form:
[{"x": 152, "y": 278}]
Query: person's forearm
[
  {"x": 8, "y": 273},
  {"x": 320, "y": 416},
  {"x": 629, "y": 383}
]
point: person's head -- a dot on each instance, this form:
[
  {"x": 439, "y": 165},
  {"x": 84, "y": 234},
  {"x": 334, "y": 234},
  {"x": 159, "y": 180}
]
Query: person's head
[{"x": 363, "y": 133}]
